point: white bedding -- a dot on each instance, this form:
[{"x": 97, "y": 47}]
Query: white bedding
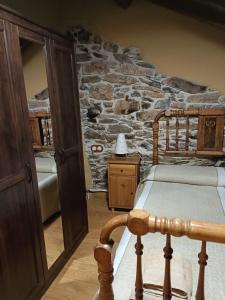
[
  {"x": 48, "y": 186},
  {"x": 45, "y": 164},
  {"x": 187, "y": 201},
  {"x": 48, "y": 194}
]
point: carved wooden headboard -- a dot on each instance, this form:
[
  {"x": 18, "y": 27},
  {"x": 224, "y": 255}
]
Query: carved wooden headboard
[
  {"x": 202, "y": 132},
  {"x": 41, "y": 128}
]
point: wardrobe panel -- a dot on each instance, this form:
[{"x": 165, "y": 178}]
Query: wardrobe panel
[
  {"x": 69, "y": 145},
  {"x": 8, "y": 130},
  {"x": 21, "y": 271},
  {"x": 64, "y": 74},
  {"x": 18, "y": 258}
]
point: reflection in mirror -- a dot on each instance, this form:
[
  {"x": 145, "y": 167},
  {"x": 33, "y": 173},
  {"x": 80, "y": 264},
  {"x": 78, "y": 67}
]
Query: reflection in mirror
[{"x": 43, "y": 147}]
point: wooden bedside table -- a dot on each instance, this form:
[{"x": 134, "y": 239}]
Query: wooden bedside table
[{"x": 123, "y": 178}]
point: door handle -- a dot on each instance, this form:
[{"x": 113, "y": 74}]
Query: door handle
[{"x": 60, "y": 156}]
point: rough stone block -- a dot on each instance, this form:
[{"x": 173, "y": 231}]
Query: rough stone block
[
  {"x": 95, "y": 68},
  {"x": 143, "y": 116},
  {"x": 120, "y": 79},
  {"x": 185, "y": 85},
  {"x": 122, "y": 58},
  {"x": 209, "y": 97},
  {"x": 102, "y": 91},
  {"x": 120, "y": 128},
  {"x": 121, "y": 107},
  {"x": 162, "y": 104},
  {"x": 90, "y": 79},
  {"x": 92, "y": 134},
  {"x": 131, "y": 69}
]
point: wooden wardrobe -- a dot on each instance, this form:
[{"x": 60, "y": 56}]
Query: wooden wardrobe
[{"x": 23, "y": 268}]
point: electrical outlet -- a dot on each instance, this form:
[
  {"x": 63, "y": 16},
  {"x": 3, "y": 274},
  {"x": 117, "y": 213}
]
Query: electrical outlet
[{"x": 96, "y": 148}]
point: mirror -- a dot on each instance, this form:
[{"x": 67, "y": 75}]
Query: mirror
[{"x": 36, "y": 85}]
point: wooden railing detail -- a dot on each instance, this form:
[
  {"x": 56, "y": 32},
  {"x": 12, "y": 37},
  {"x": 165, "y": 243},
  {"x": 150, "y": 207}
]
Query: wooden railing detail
[
  {"x": 105, "y": 269},
  {"x": 139, "y": 281},
  {"x": 210, "y": 144},
  {"x": 177, "y": 134},
  {"x": 187, "y": 134},
  {"x": 140, "y": 222},
  {"x": 41, "y": 129},
  {"x": 203, "y": 257},
  {"x": 167, "y": 134},
  {"x": 168, "y": 251}
]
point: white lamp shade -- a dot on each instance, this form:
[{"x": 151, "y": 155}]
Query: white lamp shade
[{"x": 121, "y": 145}]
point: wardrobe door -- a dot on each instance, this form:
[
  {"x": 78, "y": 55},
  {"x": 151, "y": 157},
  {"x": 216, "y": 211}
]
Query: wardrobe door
[
  {"x": 66, "y": 119},
  {"x": 21, "y": 272}
]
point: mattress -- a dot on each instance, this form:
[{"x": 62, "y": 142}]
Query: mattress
[
  {"x": 48, "y": 194},
  {"x": 45, "y": 164},
  {"x": 196, "y": 194}
]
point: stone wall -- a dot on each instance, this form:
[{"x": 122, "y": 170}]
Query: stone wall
[
  {"x": 120, "y": 93},
  {"x": 39, "y": 102}
]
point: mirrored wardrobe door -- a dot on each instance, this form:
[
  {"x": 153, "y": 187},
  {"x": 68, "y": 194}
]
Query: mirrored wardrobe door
[{"x": 40, "y": 120}]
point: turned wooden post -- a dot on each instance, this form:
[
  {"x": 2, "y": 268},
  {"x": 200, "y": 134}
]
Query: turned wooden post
[
  {"x": 203, "y": 257},
  {"x": 140, "y": 222},
  {"x": 102, "y": 255},
  {"x": 187, "y": 134},
  {"x": 177, "y": 133},
  {"x": 167, "y": 133},
  {"x": 168, "y": 251},
  {"x": 139, "y": 281},
  {"x": 155, "y": 127}
]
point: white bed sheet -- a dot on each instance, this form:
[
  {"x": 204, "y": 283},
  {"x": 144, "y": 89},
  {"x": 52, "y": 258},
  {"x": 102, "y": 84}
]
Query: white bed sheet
[
  {"x": 214, "y": 249},
  {"x": 48, "y": 194}
]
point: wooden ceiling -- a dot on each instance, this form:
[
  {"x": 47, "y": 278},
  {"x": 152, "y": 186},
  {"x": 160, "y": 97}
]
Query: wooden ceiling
[{"x": 209, "y": 10}]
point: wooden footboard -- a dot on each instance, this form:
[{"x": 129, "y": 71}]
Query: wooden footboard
[
  {"x": 139, "y": 223},
  {"x": 205, "y": 126}
]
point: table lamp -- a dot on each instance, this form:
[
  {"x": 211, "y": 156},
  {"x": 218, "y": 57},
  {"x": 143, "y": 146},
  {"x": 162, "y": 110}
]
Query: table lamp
[{"x": 121, "y": 145}]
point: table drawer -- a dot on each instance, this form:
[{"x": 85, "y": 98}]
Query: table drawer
[{"x": 118, "y": 169}]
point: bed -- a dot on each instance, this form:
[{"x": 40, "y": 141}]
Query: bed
[
  {"x": 42, "y": 140},
  {"x": 48, "y": 186},
  {"x": 187, "y": 192}
]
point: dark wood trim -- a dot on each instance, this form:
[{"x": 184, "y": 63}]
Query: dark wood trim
[
  {"x": 33, "y": 37},
  {"x": 11, "y": 181},
  {"x": 19, "y": 19}
]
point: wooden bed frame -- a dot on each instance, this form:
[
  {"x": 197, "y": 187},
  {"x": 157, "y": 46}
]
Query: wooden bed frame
[
  {"x": 210, "y": 132},
  {"x": 209, "y": 143},
  {"x": 139, "y": 222},
  {"x": 40, "y": 123}
]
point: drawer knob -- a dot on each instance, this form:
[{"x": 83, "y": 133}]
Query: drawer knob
[
  {"x": 121, "y": 170},
  {"x": 132, "y": 193}
]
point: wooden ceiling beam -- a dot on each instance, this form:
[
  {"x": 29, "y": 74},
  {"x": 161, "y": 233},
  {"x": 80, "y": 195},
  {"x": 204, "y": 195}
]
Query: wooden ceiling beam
[{"x": 124, "y": 3}]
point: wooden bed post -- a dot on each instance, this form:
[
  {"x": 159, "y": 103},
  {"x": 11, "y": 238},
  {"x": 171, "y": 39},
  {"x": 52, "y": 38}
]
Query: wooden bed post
[
  {"x": 168, "y": 251},
  {"x": 139, "y": 281},
  {"x": 102, "y": 255},
  {"x": 203, "y": 257},
  {"x": 155, "y": 127},
  {"x": 139, "y": 223}
]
